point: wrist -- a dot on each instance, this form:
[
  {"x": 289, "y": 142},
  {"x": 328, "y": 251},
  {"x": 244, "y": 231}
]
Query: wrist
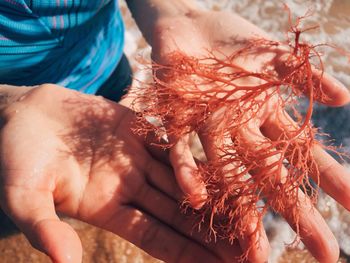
[{"x": 148, "y": 13}]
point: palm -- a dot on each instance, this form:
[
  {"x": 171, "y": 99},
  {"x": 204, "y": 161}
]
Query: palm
[
  {"x": 76, "y": 154},
  {"x": 92, "y": 143},
  {"x": 200, "y": 33}
]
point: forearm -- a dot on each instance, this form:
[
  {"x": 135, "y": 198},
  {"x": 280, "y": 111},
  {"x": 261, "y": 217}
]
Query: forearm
[{"x": 147, "y": 12}]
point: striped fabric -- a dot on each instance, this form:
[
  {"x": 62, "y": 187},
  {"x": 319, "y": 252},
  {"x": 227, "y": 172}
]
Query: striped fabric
[{"x": 74, "y": 43}]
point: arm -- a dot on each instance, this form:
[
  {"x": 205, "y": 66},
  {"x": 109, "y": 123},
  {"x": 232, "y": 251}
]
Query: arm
[
  {"x": 147, "y": 13},
  {"x": 171, "y": 26}
]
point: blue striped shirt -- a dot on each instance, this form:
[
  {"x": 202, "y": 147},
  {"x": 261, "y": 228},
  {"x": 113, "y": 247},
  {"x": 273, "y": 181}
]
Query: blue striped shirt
[{"x": 74, "y": 43}]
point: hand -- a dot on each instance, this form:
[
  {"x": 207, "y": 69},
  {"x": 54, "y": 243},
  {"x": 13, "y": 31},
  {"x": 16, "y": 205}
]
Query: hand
[
  {"x": 196, "y": 34},
  {"x": 74, "y": 154}
]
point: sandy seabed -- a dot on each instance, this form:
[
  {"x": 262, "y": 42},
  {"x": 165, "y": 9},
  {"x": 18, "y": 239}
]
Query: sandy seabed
[{"x": 333, "y": 17}]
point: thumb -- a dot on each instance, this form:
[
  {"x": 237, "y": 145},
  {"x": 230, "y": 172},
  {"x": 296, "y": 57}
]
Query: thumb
[
  {"x": 57, "y": 239},
  {"x": 184, "y": 166},
  {"x": 34, "y": 213},
  {"x": 336, "y": 93}
]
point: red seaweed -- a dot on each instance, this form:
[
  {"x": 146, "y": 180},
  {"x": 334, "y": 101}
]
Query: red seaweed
[{"x": 215, "y": 96}]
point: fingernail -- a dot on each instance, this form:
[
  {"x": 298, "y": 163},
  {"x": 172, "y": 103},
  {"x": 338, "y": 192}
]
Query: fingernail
[{"x": 198, "y": 200}]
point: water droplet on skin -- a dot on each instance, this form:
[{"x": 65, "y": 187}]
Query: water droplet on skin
[
  {"x": 22, "y": 97},
  {"x": 16, "y": 111}
]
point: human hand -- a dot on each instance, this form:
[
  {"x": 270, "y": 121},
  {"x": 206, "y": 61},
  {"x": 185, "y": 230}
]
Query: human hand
[
  {"x": 199, "y": 34},
  {"x": 74, "y": 154}
]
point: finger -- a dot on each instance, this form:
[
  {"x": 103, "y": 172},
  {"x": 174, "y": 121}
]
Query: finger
[
  {"x": 312, "y": 228},
  {"x": 156, "y": 238},
  {"x": 253, "y": 240},
  {"x": 333, "y": 177},
  {"x": 162, "y": 178},
  {"x": 167, "y": 211},
  {"x": 184, "y": 166},
  {"x": 336, "y": 94},
  {"x": 186, "y": 172},
  {"x": 157, "y": 148},
  {"x": 33, "y": 212}
]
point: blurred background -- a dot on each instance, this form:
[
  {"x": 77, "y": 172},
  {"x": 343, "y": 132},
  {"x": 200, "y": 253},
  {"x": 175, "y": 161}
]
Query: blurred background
[{"x": 333, "y": 18}]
